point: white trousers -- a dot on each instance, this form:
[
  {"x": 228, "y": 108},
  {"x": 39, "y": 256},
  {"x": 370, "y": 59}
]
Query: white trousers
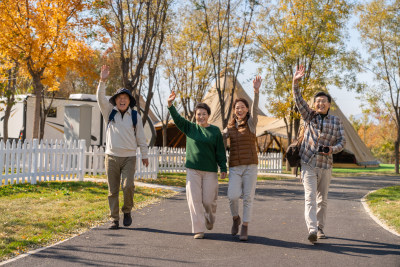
[
  {"x": 316, "y": 185},
  {"x": 202, "y": 195},
  {"x": 242, "y": 181}
]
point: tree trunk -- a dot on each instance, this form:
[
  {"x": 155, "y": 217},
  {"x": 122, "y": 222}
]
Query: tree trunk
[
  {"x": 42, "y": 122},
  {"x": 396, "y": 154},
  {"x": 7, "y": 113},
  {"x": 38, "y": 88},
  {"x": 12, "y": 76},
  {"x": 164, "y": 134}
]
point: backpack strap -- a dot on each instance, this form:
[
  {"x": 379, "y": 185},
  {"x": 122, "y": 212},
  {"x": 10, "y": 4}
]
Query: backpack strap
[
  {"x": 111, "y": 117},
  {"x": 134, "y": 119},
  {"x": 133, "y": 113}
]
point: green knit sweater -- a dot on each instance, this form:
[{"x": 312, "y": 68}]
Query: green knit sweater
[{"x": 205, "y": 149}]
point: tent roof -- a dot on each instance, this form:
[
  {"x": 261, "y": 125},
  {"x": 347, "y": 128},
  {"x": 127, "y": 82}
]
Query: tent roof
[
  {"x": 212, "y": 99},
  {"x": 354, "y": 144}
]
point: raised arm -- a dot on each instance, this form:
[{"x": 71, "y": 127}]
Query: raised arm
[
  {"x": 301, "y": 104},
  {"x": 105, "y": 106},
  {"x": 254, "y": 109},
  {"x": 184, "y": 125}
]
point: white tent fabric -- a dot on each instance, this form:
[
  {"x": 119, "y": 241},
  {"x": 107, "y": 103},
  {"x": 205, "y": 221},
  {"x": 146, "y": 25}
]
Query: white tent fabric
[
  {"x": 354, "y": 144},
  {"x": 212, "y": 100}
]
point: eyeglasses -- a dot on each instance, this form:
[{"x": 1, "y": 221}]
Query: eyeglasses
[{"x": 321, "y": 101}]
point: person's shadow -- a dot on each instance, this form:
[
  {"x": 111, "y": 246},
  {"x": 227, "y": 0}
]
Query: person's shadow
[{"x": 363, "y": 247}]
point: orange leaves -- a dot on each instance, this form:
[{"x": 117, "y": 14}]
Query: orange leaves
[{"x": 44, "y": 35}]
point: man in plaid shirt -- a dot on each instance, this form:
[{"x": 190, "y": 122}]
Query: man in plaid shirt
[{"x": 323, "y": 136}]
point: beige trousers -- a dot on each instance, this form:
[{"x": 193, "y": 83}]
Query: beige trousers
[
  {"x": 316, "y": 185},
  {"x": 120, "y": 171},
  {"x": 202, "y": 195}
]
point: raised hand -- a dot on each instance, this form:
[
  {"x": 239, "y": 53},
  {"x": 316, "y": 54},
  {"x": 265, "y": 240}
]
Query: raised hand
[
  {"x": 171, "y": 98},
  {"x": 105, "y": 72},
  {"x": 256, "y": 84},
  {"x": 300, "y": 71}
]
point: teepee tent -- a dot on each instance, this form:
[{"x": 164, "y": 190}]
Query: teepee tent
[
  {"x": 212, "y": 100},
  {"x": 355, "y": 152}
]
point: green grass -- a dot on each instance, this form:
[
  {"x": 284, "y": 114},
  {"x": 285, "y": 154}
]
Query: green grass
[
  {"x": 32, "y": 216},
  {"x": 383, "y": 169},
  {"x": 385, "y": 204}
]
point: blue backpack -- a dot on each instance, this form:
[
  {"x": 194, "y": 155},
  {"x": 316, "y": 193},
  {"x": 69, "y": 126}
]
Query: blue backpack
[{"x": 134, "y": 118}]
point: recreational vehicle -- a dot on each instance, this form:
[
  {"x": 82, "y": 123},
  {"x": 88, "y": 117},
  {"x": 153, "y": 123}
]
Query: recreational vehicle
[{"x": 20, "y": 124}]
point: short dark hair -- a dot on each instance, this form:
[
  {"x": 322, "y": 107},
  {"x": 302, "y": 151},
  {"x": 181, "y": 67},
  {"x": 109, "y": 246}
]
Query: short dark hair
[
  {"x": 203, "y": 106},
  {"x": 321, "y": 93}
]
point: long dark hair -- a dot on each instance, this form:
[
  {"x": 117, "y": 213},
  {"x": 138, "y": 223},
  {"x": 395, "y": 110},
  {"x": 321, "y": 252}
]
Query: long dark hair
[{"x": 234, "y": 118}]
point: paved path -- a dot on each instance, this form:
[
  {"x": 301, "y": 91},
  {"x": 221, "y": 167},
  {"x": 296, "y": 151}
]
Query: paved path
[{"x": 160, "y": 234}]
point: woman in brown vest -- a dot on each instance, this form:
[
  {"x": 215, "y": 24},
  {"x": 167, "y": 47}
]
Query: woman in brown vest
[{"x": 243, "y": 159}]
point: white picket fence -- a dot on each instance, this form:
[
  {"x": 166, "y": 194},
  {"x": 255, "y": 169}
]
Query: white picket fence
[{"x": 31, "y": 162}]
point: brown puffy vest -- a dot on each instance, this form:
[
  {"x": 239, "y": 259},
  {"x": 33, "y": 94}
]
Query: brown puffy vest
[{"x": 243, "y": 149}]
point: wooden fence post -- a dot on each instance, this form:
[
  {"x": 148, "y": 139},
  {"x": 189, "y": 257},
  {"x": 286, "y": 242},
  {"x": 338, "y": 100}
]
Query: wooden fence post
[
  {"x": 34, "y": 161},
  {"x": 82, "y": 163}
]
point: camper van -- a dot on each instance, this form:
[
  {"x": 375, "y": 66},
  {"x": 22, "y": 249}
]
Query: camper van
[{"x": 20, "y": 124}]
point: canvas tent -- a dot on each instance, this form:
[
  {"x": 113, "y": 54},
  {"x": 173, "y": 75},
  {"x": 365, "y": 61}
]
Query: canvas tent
[
  {"x": 177, "y": 139},
  {"x": 212, "y": 99},
  {"x": 355, "y": 151}
]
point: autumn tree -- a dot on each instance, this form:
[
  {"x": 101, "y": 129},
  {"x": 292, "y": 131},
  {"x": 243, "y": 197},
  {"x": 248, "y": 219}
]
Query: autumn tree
[
  {"x": 226, "y": 25},
  {"x": 186, "y": 61},
  {"x": 8, "y": 81},
  {"x": 137, "y": 32},
  {"x": 46, "y": 37},
  {"x": 379, "y": 26},
  {"x": 160, "y": 108},
  {"x": 378, "y": 130},
  {"x": 307, "y": 32}
]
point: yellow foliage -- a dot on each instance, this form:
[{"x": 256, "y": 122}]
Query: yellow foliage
[{"x": 45, "y": 36}]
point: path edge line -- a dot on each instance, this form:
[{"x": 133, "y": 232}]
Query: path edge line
[{"x": 376, "y": 219}]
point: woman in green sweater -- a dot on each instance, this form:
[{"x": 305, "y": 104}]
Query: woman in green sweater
[{"x": 205, "y": 151}]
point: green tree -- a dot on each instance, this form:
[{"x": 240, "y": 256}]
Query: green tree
[
  {"x": 379, "y": 26},
  {"x": 186, "y": 61},
  {"x": 307, "y": 32},
  {"x": 227, "y": 28},
  {"x": 137, "y": 31}
]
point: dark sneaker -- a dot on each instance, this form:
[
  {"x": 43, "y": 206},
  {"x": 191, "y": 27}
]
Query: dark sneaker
[
  {"x": 209, "y": 225},
  {"x": 235, "y": 225},
  {"x": 321, "y": 234},
  {"x": 243, "y": 233},
  {"x": 312, "y": 237},
  {"x": 114, "y": 225},
  {"x": 127, "y": 219}
]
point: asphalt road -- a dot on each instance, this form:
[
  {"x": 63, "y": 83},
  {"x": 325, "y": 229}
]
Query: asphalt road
[{"x": 161, "y": 234}]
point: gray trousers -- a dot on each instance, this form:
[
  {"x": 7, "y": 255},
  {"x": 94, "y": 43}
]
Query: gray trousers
[
  {"x": 242, "y": 181},
  {"x": 316, "y": 185},
  {"x": 120, "y": 171}
]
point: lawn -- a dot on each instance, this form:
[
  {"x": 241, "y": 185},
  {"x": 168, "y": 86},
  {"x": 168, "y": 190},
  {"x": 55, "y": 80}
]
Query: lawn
[
  {"x": 385, "y": 203},
  {"x": 383, "y": 169},
  {"x": 33, "y": 216}
]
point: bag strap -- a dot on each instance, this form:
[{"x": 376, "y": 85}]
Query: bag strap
[{"x": 133, "y": 113}]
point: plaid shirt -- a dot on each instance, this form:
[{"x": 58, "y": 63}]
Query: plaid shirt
[{"x": 332, "y": 133}]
